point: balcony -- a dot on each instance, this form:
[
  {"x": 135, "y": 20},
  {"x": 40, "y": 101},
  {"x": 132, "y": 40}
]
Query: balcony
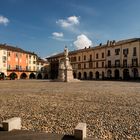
[{"x": 19, "y": 69}]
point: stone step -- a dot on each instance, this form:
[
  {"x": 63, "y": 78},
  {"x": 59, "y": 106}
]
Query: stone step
[{"x": 29, "y": 135}]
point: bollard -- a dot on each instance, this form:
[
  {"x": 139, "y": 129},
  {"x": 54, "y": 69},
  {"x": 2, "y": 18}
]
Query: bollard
[
  {"x": 80, "y": 131},
  {"x": 11, "y": 124}
]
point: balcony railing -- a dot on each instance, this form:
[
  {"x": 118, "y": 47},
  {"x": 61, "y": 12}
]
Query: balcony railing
[
  {"x": 122, "y": 66},
  {"x": 19, "y": 69}
]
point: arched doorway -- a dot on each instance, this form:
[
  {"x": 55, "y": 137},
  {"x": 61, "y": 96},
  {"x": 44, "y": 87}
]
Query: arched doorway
[
  {"x": 13, "y": 76},
  {"x": 117, "y": 74},
  {"x": 74, "y": 75},
  {"x": 126, "y": 75},
  {"x": 103, "y": 75},
  {"x": 90, "y": 75},
  {"x": 79, "y": 75},
  {"x": 39, "y": 76},
  {"x": 2, "y": 76},
  {"x": 109, "y": 74},
  {"x": 46, "y": 76},
  {"x": 32, "y": 76},
  {"x": 85, "y": 75},
  {"x": 23, "y": 76},
  {"x": 97, "y": 75},
  {"x": 135, "y": 73}
]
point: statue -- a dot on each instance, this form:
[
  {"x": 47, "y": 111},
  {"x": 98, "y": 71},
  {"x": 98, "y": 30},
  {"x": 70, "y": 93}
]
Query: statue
[
  {"x": 66, "y": 52},
  {"x": 65, "y": 72}
]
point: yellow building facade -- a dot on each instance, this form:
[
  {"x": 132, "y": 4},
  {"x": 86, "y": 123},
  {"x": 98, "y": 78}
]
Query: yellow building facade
[{"x": 113, "y": 60}]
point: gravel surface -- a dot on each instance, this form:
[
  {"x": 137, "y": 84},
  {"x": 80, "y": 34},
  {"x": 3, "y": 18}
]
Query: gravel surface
[{"x": 110, "y": 109}]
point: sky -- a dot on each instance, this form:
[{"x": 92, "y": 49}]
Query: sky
[{"x": 47, "y": 26}]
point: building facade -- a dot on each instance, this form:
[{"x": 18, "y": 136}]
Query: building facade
[
  {"x": 16, "y": 63},
  {"x": 113, "y": 60},
  {"x": 42, "y": 69}
]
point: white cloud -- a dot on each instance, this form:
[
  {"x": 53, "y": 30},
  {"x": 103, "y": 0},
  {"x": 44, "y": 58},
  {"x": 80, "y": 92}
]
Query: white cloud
[
  {"x": 69, "y": 22},
  {"x": 4, "y": 20},
  {"x": 82, "y": 41},
  {"x": 58, "y": 35}
]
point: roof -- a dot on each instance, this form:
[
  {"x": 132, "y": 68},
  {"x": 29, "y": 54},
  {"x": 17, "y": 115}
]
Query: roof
[
  {"x": 16, "y": 49},
  {"x": 121, "y": 42},
  {"x": 41, "y": 60}
]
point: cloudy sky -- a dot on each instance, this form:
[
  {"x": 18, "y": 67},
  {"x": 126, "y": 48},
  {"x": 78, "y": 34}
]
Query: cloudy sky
[{"x": 46, "y": 26}]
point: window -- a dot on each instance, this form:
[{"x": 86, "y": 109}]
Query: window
[
  {"x": 135, "y": 62},
  {"x": 96, "y": 55},
  {"x": 16, "y": 54},
  {"x": 29, "y": 56},
  {"x": 90, "y": 65},
  {"x": 84, "y": 57},
  {"x": 117, "y": 63},
  {"x": 96, "y": 64},
  {"x": 108, "y": 53},
  {"x": 26, "y": 67},
  {"x": 17, "y": 67},
  {"x": 8, "y": 53},
  {"x": 117, "y": 51},
  {"x": 20, "y": 67},
  {"x": 73, "y": 59},
  {"x": 34, "y": 62},
  {"x": 134, "y": 51},
  {"x": 90, "y": 58},
  {"x": 9, "y": 67},
  {"x": 4, "y": 59},
  {"x": 125, "y": 63},
  {"x": 102, "y": 64},
  {"x": 4, "y": 52},
  {"x": 109, "y": 63},
  {"x": 125, "y": 52},
  {"x": 79, "y": 66},
  {"x": 26, "y": 55},
  {"x": 102, "y": 55},
  {"x": 84, "y": 65},
  {"x": 79, "y": 58}
]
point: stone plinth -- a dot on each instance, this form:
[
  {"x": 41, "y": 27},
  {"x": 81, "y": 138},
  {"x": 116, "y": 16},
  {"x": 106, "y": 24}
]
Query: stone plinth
[
  {"x": 80, "y": 131},
  {"x": 65, "y": 72},
  {"x": 11, "y": 124}
]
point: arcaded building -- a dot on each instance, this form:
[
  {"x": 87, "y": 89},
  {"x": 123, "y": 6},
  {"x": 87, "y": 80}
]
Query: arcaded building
[
  {"x": 16, "y": 63},
  {"x": 113, "y": 60}
]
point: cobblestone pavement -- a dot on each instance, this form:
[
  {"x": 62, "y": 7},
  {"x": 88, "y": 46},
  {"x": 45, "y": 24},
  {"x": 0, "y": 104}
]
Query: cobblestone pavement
[{"x": 110, "y": 109}]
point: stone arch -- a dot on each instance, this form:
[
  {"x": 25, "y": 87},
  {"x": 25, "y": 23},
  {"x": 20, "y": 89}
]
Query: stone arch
[
  {"x": 13, "y": 76},
  {"x": 117, "y": 74},
  {"x": 39, "y": 76},
  {"x": 74, "y": 75},
  {"x": 2, "y": 76},
  {"x": 90, "y": 75},
  {"x": 103, "y": 75},
  {"x": 46, "y": 76},
  {"x": 126, "y": 75},
  {"x": 85, "y": 75},
  {"x": 135, "y": 73},
  {"x": 79, "y": 75},
  {"x": 23, "y": 76},
  {"x": 32, "y": 76},
  {"x": 97, "y": 75},
  {"x": 109, "y": 74}
]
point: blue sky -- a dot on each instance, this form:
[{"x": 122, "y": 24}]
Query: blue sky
[{"x": 46, "y": 26}]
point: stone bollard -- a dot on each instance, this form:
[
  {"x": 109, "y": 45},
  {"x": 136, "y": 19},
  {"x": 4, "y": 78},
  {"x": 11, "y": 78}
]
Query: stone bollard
[
  {"x": 11, "y": 124},
  {"x": 80, "y": 131}
]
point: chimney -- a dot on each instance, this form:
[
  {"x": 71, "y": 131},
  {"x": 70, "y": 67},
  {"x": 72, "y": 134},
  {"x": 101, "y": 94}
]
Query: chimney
[{"x": 108, "y": 43}]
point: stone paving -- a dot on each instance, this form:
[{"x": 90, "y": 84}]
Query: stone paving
[{"x": 110, "y": 109}]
